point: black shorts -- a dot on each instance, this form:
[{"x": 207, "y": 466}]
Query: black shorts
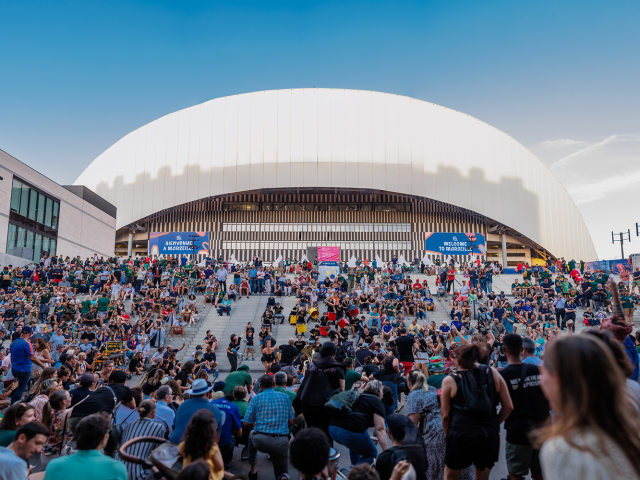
[{"x": 463, "y": 451}]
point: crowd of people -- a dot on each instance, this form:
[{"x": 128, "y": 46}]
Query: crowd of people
[{"x": 366, "y": 369}]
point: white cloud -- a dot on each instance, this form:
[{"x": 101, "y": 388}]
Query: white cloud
[
  {"x": 603, "y": 178},
  {"x": 561, "y": 143}
]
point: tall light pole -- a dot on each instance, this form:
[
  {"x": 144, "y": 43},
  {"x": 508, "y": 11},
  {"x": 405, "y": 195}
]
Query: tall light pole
[{"x": 621, "y": 239}]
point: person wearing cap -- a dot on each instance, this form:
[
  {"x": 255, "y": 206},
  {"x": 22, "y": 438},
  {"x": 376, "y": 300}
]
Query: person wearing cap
[
  {"x": 22, "y": 359},
  {"x": 199, "y": 398},
  {"x": 85, "y": 389},
  {"x": 436, "y": 371}
]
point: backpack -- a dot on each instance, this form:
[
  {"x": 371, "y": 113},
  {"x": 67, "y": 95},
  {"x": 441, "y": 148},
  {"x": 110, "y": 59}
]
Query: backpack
[
  {"x": 341, "y": 404},
  {"x": 478, "y": 389}
]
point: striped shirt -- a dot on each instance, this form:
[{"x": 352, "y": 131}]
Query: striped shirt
[{"x": 141, "y": 428}]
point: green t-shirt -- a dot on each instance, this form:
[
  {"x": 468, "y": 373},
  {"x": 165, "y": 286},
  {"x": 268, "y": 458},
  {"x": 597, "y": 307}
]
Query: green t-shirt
[
  {"x": 6, "y": 437},
  {"x": 627, "y": 301},
  {"x": 242, "y": 406},
  {"x": 436, "y": 380},
  {"x": 288, "y": 393},
  {"x": 45, "y": 299},
  {"x": 86, "y": 306},
  {"x": 102, "y": 304},
  {"x": 350, "y": 378},
  {"x": 235, "y": 379},
  {"x": 90, "y": 464}
]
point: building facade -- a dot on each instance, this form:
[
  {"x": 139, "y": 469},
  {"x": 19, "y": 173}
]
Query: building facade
[
  {"x": 261, "y": 171},
  {"x": 38, "y": 214}
]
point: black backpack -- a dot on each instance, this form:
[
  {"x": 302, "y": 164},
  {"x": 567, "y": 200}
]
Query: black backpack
[{"x": 478, "y": 389}]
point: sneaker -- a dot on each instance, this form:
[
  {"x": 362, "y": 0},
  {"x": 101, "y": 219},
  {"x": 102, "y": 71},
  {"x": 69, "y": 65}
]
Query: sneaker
[{"x": 399, "y": 407}]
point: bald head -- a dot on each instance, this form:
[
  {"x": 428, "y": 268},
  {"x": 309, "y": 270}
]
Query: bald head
[{"x": 291, "y": 341}]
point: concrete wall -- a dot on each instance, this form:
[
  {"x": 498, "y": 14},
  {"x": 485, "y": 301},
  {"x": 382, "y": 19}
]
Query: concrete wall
[{"x": 82, "y": 230}]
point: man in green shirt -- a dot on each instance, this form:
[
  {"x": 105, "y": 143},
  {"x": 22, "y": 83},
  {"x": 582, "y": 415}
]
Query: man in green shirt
[
  {"x": 92, "y": 434},
  {"x": 281, "y": 386},
  {"x": 351, "y": 376},
  {"x": 240, "y": 377}
]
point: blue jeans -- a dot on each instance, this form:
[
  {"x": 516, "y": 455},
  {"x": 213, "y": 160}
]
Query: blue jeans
[
  {"x": 23, "y": 379},
  {"x": 361, "y": 447},
  {"x": 226, "y": 309},
  {"x": 260, "y": 285}
]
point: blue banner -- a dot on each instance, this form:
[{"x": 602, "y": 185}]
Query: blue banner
[
  {"x": 178, "y": 243},
  {"x": 451, "y": 243}
]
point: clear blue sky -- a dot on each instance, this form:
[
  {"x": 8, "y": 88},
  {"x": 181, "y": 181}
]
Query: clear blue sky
[{"x": 78, "y": 76}]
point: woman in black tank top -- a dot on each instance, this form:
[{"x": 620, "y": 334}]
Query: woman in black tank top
[{"x": 469, "y": 417}]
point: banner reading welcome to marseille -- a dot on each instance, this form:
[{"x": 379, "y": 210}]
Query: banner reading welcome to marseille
[
  {"x": 178, "y": 243},
  {"x": 452, "y": 243}
]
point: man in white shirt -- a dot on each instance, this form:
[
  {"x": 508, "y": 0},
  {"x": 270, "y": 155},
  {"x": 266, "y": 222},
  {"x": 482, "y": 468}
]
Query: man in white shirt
[
  {"x": 221, "y": 275},
  {"x": 143, "y": 347}
]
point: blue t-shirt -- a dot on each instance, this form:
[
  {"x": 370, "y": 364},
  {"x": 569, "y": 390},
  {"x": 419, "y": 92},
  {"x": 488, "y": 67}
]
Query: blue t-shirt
[
  {"x": 21, "y": 350},
  {"x": 187, "y": 410},
  {"x": 232, "y": 420},
  {"x": 253, "y": 273}
]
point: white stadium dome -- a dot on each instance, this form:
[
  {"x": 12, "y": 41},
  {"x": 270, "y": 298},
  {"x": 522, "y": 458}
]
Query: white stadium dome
[{"x": 335, "y": 138}]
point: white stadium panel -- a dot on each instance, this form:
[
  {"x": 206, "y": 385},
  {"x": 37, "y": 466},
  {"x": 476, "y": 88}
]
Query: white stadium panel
[{"x": 338, "y": 138}]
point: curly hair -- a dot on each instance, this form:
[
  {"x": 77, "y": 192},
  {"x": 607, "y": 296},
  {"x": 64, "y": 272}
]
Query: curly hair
[{"x": 200, "y": 435}]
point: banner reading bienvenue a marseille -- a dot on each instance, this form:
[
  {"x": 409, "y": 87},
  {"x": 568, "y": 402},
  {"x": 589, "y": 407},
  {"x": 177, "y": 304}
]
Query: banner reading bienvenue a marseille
[
  {"x": 451, "y": 243},
  {"x": 178, "y": 243}
]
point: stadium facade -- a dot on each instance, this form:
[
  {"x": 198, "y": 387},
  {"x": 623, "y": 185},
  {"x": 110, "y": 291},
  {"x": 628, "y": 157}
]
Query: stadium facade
[{"x": 277, "y": 172}]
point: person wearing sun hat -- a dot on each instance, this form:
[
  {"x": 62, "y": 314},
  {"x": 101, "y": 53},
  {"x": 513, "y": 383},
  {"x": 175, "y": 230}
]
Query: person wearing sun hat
[
  {"x": 199, "y": 397},
  {"x": 436, "y": 371}
]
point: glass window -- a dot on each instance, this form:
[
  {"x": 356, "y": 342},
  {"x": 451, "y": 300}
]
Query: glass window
[
  {"x": 56, "y": 214},
  {"x": 280, "y": 227},
  {"x": 52, "y": 246},
  {"x": 11, "y": 237},
  {"x": 37, "y": 248},
  {"x": 20, "y": 237},
  {"x": 45, "y": 244},
  {"x": 15, "y": 196},
  {"x": 384, "y": 227},
  {"x": 24, "y": 200},
  {"x": 47, "y": 212},
  {"x": 29, "y": 239},
  {"x": 305, "y": 227}
]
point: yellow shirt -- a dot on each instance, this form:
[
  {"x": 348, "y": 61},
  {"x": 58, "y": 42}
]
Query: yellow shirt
[{"x": 215, "y": 474}]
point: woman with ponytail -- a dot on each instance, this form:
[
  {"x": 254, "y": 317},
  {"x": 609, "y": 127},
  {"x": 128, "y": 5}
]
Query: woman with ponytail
[
  {"x": 55, "y": 416},
  {"x": 147, "y": 426},
  {"x": 470, "y": 421}
]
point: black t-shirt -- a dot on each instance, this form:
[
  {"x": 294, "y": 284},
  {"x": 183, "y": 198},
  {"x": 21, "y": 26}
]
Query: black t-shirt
[
  {"x": 363, "y": 353},
  {"x": 361, "y": 416},
  {"x": 288, "y": 354},
  {"x": 90, "y": 336},
  {"x": 183, "y": 377},
  {"x": 405, "y": 348},
  {"x": 370, "y": 369},
  {"x": 300, "y": 344},
  {"x": 102, "y": 400},
  {"x": 78, "y": 394},
  {"x": 531, "y": 408}
]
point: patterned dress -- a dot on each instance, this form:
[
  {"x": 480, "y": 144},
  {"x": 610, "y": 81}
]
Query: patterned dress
[
  {"x": 58, "y": 438},
  {"x": 428, "y": 406}
]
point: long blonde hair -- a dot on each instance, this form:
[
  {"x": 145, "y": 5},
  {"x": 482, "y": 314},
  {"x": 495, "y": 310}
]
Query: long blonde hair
[
  {"x": 593, "y": 398},
  {"x": 418, "y": 381}
]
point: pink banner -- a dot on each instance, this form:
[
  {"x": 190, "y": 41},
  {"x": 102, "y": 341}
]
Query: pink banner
[{"x": 328, "y": 254}]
